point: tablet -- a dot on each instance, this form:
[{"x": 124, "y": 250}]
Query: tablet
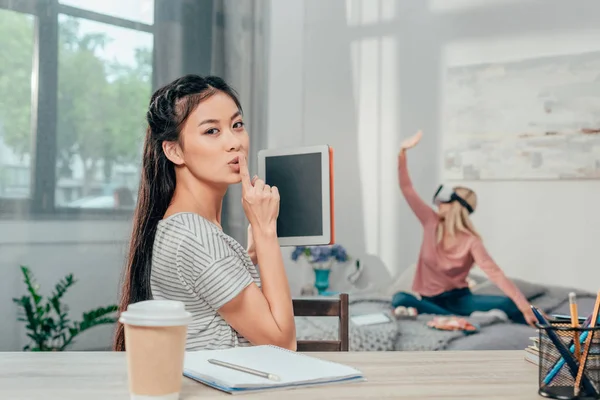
[
  {"x": 371, "y": 319},
  {"x": 304, "y": 178}
]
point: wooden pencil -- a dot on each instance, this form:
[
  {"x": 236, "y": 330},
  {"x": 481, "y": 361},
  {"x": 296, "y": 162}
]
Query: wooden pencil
[{"x": 586, "y": 348}]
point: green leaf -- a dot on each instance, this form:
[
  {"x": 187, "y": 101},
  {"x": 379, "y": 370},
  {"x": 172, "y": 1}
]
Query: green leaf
[
  {"x": 99, "y": 312},
  {"x": 60, "y": 289},
  {"x": 47, "y": 324}
]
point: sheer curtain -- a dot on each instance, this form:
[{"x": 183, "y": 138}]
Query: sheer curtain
[
  {"x": 225, "y": 38},
  {"x": 239, "y": 56}
]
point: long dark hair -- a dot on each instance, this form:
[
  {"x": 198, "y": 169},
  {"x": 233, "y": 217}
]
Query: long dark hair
[{"x": 170, "y": 106}]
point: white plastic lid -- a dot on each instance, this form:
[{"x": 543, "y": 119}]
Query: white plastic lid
[{"x": 156, "y": 313}]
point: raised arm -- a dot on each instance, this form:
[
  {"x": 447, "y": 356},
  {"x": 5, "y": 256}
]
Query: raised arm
[
  {"x": 263, "y": 316},
  {"x": 483, "y": 259},
  {"x": 423, "y": 211}
]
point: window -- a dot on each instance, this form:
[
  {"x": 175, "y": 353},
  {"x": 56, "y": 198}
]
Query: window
[
  {"x": 16, "y": 55},
  {"x": 104, "y": 83},
  {"x": 75, "y": 79},
  {"x": 134, "y": 10}
]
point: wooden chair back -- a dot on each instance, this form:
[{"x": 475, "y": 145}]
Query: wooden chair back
[{"x": 336, "y": 306}]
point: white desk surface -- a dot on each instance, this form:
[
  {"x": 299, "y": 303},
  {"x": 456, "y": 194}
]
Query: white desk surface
[{"x": 391, "y": 375}]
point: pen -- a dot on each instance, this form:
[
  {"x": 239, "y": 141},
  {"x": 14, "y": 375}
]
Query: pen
[
  {"x": 247, "y": 370},
  {"x": 575, "y": 323},
  {"x": 560, "y": 363}
]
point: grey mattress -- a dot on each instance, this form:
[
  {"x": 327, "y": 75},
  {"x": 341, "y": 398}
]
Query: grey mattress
[
  {"x": 409, "y": 335},
  {"x": 508, "y": 336}
]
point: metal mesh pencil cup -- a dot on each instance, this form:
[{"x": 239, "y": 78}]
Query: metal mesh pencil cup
[{"x": 556, "y": 380}]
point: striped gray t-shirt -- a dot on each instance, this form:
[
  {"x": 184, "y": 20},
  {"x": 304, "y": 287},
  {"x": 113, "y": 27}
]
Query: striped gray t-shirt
[{"x": 195, "y": 262}]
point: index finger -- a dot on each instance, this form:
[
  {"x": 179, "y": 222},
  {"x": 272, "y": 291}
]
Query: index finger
[{"x": 244, "y": 174}]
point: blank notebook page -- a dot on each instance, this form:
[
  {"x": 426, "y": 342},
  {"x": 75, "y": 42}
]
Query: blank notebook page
[{"x": 291, "y": 367}]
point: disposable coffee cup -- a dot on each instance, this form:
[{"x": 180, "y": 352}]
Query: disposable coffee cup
[{"x": 155, "y": 335}]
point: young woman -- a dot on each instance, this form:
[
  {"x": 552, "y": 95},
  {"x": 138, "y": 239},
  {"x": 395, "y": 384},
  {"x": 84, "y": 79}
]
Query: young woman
[
  {"x": 450, "y": 248},
  {"x": 195, "y": 147}
]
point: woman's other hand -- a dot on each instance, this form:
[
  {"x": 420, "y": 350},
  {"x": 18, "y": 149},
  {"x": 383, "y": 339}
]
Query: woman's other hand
[
  {"x": 411, "y": 141},
  {"x": 529, "y": 316},
  {"x": 260, "y": 202}
]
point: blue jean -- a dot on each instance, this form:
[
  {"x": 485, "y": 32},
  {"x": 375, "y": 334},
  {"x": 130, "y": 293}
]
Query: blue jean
[{"x": 459, "y": 302}]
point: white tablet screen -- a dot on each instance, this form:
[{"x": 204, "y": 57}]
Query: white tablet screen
[{"x": 298, "y": 179}]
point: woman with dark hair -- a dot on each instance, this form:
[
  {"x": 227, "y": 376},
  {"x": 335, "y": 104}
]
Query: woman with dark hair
[{"x": 195, "y": 147}]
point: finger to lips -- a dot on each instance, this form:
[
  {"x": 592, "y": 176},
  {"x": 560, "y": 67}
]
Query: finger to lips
[{"x": 244, "y": 174}]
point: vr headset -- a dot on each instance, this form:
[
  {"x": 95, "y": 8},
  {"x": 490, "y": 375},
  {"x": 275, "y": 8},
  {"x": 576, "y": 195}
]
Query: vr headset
[{"x": 445, "y": 194}]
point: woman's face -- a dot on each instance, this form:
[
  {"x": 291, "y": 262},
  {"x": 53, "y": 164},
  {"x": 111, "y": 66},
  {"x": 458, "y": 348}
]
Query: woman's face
[
  {"x": 443, "y": 209},
  {"x": 212, "y": 140}
]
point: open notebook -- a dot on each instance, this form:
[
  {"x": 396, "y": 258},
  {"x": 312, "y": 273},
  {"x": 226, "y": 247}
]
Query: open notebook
[{"x": 294, "y": 369}]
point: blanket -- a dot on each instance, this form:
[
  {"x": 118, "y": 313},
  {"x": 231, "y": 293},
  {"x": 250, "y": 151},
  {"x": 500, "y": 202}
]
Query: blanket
[
  {"x": 380, "y": 337},
  {"x": 402, "y": 334},
  {"x": 417, "y": 336},
  {"x": 496, "y": 333}
]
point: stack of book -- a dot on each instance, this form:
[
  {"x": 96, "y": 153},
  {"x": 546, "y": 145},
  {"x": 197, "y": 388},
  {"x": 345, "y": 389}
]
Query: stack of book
[{"x": 532, "y": 352}]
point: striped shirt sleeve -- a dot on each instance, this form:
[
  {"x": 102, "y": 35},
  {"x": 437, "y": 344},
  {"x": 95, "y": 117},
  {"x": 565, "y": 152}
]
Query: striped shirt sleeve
[
  {"x": 214, "y": 274},
  {"x": 223, "y": 280}
]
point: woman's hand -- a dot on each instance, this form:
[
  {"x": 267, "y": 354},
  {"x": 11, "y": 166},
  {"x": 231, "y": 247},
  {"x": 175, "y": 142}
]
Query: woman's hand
[
  {"x": 251, "y": 249},
  {"x": 260, "y": 202},
  {"x": 411, "y": 141},
  {"x": 529, "y": 316}
]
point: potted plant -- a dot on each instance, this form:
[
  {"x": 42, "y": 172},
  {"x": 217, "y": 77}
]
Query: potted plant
[
  {"x": 48, "y": 324},
  {"x": 321, "y": 259}
]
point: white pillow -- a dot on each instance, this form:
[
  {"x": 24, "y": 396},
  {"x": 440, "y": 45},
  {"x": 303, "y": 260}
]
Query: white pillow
[{"x": 403, "y": 282}]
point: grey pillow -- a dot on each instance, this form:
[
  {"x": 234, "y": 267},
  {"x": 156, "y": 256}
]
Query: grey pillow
[{"x": 530, "y": 290}]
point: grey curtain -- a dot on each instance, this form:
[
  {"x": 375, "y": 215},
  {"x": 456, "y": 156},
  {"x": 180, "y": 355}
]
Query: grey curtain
[
  {"x": 225, "y": 38},
  {"x": 239, "y": 56}
]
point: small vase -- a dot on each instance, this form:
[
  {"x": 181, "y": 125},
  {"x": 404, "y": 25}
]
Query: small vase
[{"x": 321, "y": 279}]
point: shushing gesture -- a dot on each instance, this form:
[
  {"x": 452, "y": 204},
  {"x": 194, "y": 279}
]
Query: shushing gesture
[{"x": 260, "y": 201}]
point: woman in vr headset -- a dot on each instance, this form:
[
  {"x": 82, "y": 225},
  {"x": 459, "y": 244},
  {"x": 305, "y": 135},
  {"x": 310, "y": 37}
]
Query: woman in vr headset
[{"x": 450, "y": 248}]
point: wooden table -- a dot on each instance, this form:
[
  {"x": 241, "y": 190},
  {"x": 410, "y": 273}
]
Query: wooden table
[{"x": 391, "y": 375}]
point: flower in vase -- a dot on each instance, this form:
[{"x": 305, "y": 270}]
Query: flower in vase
[{"x": 321, "y": 257}]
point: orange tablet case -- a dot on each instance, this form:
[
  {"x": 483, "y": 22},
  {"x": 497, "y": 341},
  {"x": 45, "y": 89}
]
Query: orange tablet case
[{"x": 331, "y": 192}]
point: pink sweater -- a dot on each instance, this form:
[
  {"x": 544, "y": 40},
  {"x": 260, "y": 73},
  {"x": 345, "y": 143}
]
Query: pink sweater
[{"x": 439, "y": 270}]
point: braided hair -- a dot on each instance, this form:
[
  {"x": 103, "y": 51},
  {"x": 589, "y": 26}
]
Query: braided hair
[{"x": 169, "y": 108}]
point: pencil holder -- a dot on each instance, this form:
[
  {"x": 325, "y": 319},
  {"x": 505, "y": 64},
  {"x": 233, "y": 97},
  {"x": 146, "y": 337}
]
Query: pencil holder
[{"x": 556, "y": 376}]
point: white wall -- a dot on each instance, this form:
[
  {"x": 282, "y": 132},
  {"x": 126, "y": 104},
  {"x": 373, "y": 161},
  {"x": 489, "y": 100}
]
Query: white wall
[
  {"x": 362, "y": 74},
  {"x": 360, "y": 78},
  {"x": 93, "y": 251}
]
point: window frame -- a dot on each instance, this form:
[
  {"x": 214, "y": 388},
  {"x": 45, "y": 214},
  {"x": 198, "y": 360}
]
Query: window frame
[{"x": 40, "y": 205}]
